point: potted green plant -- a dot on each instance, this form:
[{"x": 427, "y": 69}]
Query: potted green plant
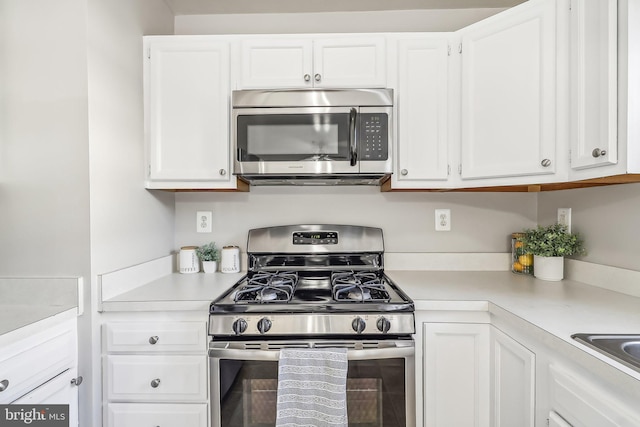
[
  {"x": 549, "y": 245},
  {"x": 209, "y": 254}
]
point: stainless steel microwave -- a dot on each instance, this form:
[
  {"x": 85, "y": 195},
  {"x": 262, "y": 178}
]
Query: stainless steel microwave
[{"x": 312, "y": 136}]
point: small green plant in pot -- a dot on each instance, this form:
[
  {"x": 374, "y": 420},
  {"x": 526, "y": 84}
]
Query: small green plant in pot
[
  {"x": 209, "y": 254},
  {"x": 549, "y": 245}
]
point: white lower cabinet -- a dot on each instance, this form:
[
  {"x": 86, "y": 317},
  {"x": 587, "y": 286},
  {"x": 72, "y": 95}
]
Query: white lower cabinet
[
  {"x": 456, "y": 374},
  {"x": 512, "y": 382},
  {"x": 476, "y": 375},
  {"x": 153, "y": 414},
  {"x": 155, "y": 370},
  {"x": 580, "y": 402}
]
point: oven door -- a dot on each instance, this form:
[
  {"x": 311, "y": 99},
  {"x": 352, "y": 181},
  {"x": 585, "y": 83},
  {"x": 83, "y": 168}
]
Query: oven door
[
  {"x": 313, "y": 140},
  {"x": 380, "y": 382}
]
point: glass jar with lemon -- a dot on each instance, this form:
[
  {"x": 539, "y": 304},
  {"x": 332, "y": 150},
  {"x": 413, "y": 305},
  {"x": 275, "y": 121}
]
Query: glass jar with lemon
[{"x": 521, "y": 262}]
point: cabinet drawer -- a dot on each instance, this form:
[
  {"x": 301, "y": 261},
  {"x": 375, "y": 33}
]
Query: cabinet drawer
[
  {"x": 32, "y": 362},
  {"x": 580, "y": 402},
  {"x": 157, "y": 378},
  {"x": 156, "y": 337},
  {"x": 153, "y": 414}
]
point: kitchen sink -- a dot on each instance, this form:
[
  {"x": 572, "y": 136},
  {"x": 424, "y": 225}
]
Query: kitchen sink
[{"x": 623, "y": 348}]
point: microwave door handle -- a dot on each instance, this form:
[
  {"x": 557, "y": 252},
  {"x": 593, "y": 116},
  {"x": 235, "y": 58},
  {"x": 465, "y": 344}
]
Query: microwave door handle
[{"x": 353, "y": 142}]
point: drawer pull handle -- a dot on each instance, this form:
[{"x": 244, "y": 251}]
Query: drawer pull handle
[
  {"x": 4, "y": 384},
  {"x": 155, "y": 383},
  {"x": 154, "y": 339},
  {"x": 77, "y": 381}
]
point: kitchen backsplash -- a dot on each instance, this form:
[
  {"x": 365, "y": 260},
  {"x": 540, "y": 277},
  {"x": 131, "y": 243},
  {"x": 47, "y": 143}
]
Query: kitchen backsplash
[{"x": 480, "y": 222}]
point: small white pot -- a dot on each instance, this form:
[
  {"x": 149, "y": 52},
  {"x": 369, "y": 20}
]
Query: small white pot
[
  {"x": 209, "y": 266},
  {"x": 548, "y": 268}
]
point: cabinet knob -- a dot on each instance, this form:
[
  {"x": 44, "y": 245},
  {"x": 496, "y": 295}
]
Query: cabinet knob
[
  {"x": 318, "y": 77},
  {"x": 154, "y": 339},
  {"x": 77, "y": 381},
  {"x": 155, "y": 383},
  {"x": 598, "y": 152},
  {"x": 4, "y": 384},
  {"x": 545, "y": 163},
  {"x": 404, "y": 172},
  {"x": 222, "y": 172},
  {"x": 307, "y": 77}
]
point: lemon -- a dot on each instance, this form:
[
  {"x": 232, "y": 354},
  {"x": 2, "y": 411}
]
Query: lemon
[
  {"x": 526, "y": 260},
  {"x": 517, "y": 266},
  {"x": 518, "y": 244}
]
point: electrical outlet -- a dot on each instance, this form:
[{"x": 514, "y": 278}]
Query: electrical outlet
[
  {"x": 443, "y": 219},
  {"x": 564, "y": 217},
  {"x": 203, "y": 221}
]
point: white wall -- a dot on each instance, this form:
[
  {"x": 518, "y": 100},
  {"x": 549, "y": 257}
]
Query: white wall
[
  {"x": 129, "y": 224},
  {"x": 607, "y": 217},
  {"x": 481, "y": 222},
  {"x": 44, "y": 170},
  {"x": 332, "y": 22}
]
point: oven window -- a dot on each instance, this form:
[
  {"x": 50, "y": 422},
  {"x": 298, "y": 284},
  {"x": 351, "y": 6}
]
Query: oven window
[
  {"x": 375, "y": 393},
  {"x": 293, "y": 137}
]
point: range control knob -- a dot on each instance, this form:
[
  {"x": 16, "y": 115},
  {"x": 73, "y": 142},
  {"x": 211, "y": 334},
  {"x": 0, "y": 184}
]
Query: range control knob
[
  {"x": 358, "y": 324},
  {"x": 264, "y": 325},
  {"x": 383, "y": 324},
  {"x": 239, "y": 326}
]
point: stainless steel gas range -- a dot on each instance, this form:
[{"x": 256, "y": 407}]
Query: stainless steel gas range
[{"x": 312, "y": 286}]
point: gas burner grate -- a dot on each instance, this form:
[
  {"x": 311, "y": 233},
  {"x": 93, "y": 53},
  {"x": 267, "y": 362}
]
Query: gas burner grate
[
  {"x": 359, "y": 287},
  {"x": 268, "y": 287}
]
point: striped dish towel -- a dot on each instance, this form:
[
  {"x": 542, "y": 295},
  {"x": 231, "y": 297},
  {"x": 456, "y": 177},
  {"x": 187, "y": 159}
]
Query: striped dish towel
[{"x": 312, "y": 388}]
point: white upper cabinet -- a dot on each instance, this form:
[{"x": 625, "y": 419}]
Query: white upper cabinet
[
  {"x": 187, "y": 94},
  {"x": 509, "y": 93},
  {"x": 594, "y": 60},
  {"x": 422, "y": 139},
  {"x": 299, "y": 62}
]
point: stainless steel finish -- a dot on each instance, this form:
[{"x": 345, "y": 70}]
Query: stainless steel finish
[
  {"x": 77, "y": 381},
  {"x": 404, "y": 172},
  {"x": 285, "y": 324},
  {"x": 353, "y": 142},
  {"x": 356, "y": 350},
  {"x": 312, "y": 98},
  {"x": 280, "y": 239},
  {"x": 316, "y": 180},
  {"x": 307, "y": 77},
  {"x": 622, "y": 348},
  {"x": 155, "y": 383},
  {"x": 270, "y": 350},
  {"x": 4, "y": 384},
  {"x": 546, "y": 163},
  {"x": 598, "y": 152},
  {"x": 153, "y": 340},
  {"x": 318, "y": 77},
  {"x": 222, "y": 172}
]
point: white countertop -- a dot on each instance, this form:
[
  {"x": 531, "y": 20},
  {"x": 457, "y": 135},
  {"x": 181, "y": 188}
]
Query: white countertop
[
  {"x": 24, "y": 301},
  {"x": 558, "y": 308}
]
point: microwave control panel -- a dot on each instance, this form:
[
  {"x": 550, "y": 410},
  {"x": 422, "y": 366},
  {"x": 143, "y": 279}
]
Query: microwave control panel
[{"x": 374, "y": 136}]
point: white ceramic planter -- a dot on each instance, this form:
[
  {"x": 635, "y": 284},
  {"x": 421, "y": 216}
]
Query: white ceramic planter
[
  {"x": 209, "y": 266},
  {"x": 548, "y": 268}
]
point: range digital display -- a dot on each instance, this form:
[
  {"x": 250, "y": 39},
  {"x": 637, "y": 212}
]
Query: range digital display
[{"x": 315, "y": 238}]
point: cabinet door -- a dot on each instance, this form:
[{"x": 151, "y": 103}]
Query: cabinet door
[
  {"x": 556, "y": 420},
  {"x": 350, "y": 62},
  {"x": 456, "y": 374},
  {"x": 422, "y": 138},
  {"x": 594, "y": 80},
  {"x": 188, "y": 114},
  {"x": 276, "y": 63},
  {"x": 58, "y": 391},
  {"x": 509, "y": 93},
  {"x": 512, "y": 382}
]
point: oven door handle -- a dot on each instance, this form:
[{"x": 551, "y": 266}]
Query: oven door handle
[{"x": 274, "y": 355}]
